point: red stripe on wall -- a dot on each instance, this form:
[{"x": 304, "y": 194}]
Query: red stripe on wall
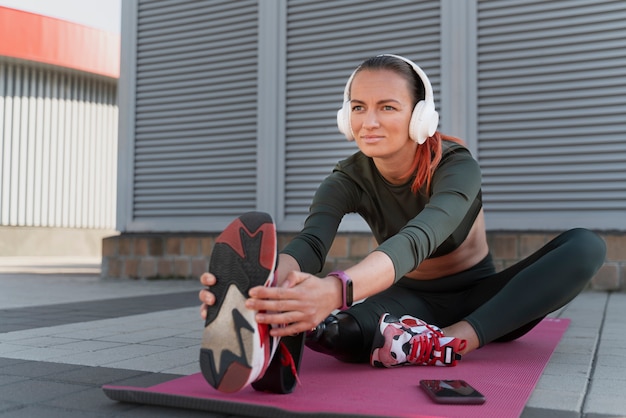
[{"x": 53, "y": 41}]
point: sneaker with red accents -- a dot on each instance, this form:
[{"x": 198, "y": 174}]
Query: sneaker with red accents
[
  {"x": 408, "y": 340},
  {"x": 235, "y": 349},
  {"x": 282, "y": 374}
]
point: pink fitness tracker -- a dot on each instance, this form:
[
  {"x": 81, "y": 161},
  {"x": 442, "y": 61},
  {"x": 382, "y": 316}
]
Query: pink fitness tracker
[{"x": 346, "y": 286}]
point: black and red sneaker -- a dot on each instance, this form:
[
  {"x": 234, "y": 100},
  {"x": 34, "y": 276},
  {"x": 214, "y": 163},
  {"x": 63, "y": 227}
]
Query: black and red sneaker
[{"x": 235, "y": 349}]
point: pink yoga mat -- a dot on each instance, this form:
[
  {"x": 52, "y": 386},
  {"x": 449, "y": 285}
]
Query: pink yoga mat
[{"x": 506, "y": 373}]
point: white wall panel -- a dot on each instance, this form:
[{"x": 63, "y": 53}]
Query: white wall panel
[{"x": 58, "y": 139}]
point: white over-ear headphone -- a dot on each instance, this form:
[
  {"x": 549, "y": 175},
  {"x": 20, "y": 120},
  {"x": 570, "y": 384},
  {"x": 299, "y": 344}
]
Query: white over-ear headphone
[{"x": 424, "y": 119}]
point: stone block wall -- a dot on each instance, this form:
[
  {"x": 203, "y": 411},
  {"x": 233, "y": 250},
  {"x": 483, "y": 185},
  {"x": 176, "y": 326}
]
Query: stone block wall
[
  {"x": 186, "y": 256},
  {"x": 156, "y": 256}
]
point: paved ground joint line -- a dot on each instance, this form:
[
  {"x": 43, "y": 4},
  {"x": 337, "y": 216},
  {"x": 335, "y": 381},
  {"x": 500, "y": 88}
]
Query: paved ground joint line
[{"x": 594, "y": 361}]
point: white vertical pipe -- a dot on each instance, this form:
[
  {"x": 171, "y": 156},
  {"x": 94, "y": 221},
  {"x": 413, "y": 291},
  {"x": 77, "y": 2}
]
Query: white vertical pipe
[
  {"x": 7, "y": 156},
  {"x": 67, "y": 152},
  {"x": 45, "y": 152},
  {"x": 18, "y": 182},
  {"x": 100, "y": 180},
  {"x": 54, "y": 156},
  {"x": 39, "y": 176},
  {"x": 30, "y": 79},
  {"x": 2, "y": 136},
  {"x": 80, "y": 154},
  {"x": 112, "y": 156}
]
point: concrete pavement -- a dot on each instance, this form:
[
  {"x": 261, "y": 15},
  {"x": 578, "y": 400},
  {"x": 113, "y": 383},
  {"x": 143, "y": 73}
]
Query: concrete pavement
[{"x": 64, "y": 332}]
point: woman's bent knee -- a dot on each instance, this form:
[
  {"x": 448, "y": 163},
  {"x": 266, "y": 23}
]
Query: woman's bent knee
[{"x": 588, "y": 248}]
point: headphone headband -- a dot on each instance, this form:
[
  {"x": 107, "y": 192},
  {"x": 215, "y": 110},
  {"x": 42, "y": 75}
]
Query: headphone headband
[{"x": 428, "y": 89}]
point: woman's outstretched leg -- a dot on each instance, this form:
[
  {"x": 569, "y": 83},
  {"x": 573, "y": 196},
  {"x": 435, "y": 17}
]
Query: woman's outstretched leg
[{"x": 539, "y": 285}]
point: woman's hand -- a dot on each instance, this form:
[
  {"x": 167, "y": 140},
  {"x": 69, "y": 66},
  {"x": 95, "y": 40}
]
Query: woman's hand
[
  {"x": 299, "y": 304},
  {"x": 296, "y": 305},
  {"x": 206, "y": 297}
]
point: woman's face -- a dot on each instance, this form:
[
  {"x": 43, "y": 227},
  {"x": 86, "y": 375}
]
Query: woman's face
[{"x": 381, "y": 108}]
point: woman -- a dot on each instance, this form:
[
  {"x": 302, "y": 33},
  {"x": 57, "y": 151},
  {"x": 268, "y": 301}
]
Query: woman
[{"x": 431, "y": 290}]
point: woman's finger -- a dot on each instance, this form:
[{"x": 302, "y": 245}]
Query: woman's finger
[
  {"x": 206, "y": 297},
  {"x": 207, "y": 279}
]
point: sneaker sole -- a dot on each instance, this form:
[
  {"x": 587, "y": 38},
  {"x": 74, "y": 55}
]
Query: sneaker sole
[{"x": 244, "y": 256}]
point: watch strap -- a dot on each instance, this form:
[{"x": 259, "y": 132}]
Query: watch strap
[{"x": 346, "y": 286}]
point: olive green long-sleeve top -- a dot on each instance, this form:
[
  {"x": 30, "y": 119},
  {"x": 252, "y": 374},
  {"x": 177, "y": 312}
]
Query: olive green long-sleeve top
[{"x": 408, "y": 227}]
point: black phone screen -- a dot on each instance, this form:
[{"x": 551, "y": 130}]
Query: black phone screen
[{"x": 452, "y": 391}]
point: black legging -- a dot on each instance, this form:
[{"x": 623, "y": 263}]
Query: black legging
[{"x": 499, "y": 306}]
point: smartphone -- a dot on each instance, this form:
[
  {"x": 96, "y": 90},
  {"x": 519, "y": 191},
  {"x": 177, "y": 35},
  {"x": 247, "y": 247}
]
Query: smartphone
[{"x": 452, "y": 391}]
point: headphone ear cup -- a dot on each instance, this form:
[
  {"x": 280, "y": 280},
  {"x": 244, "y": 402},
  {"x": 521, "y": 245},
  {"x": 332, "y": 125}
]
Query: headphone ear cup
[
  {"x": 343, "y": 121},
  {"x": 424, "y": 121}
]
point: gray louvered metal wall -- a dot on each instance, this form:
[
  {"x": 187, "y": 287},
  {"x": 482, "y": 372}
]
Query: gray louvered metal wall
[
  {"x": 547, "y": 80},
  {"x": 195, "y": 111},
  {"x": 325, "y": 42},
  {"x": 58, "y": 147},
  {"x": 552, "y": 112}
]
